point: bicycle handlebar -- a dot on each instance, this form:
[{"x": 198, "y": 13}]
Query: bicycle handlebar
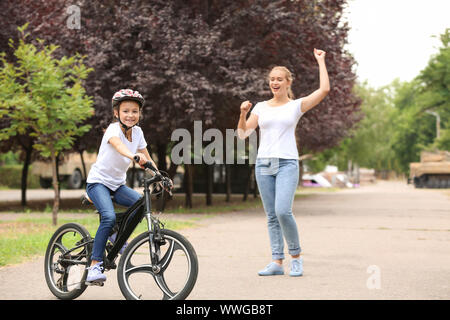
[
  {"x": 166, "y": 181},
  {"x": 147, "y": 165}
]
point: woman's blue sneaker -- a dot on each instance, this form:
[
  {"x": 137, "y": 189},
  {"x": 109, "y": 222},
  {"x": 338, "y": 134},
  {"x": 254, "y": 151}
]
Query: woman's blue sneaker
[
  {"x": 296, "y": 267},
  {"x": 95, "y": 273},
  {"x": 272, "y": 269}
]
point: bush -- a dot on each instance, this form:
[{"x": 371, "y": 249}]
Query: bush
[{"x": 11, "y": 176}]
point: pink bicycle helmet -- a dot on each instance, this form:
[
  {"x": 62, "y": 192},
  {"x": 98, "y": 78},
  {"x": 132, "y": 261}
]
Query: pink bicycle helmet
[{"x": 127, "y": 94}]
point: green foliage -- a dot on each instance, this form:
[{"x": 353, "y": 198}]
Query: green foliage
[
  {"x": 44, "y": 94},
  {"x": 414, "y": 130},
  {"x": 9, "y": 158},
  {"x": 435, "y": 91},
  {"x": 369, "y": 142},
  {"x": 429, "y": 91},
  {"x": 397, "y": 125},
  {"x": 10, "y": 177}
]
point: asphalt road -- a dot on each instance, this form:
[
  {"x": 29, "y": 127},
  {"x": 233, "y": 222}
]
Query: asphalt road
[{"x": 386, "y": 241}]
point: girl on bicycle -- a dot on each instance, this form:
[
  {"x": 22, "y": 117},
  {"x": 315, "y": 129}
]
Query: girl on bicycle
[
  {"x": 277, "y": 168},
  {"x": 121, "y": 141}
]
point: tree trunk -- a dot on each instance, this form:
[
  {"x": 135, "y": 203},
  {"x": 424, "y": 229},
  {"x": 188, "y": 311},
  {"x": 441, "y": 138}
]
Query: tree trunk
[
  {"x": 24, "y": 180},
  {"x": 187, "y": 181},
  {"x": 161, "y": 151},
  {"x": 228, "y": 182},
  {"x": 255, "y": 189},
  {"x": 56, "y": 190},
  {"x": 83, "y": 164},
  {"x": 300, "y": 178},
  {"x": 58, "y": 178},
  {"x": 209, "y": 184},
  {"x": 300, "y": 164},
  {"x": 248, "y": 182},
  {"x": 172, "y": 170}
]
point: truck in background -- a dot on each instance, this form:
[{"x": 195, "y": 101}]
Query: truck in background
[
  {"x": 433, "y": 170},
  {"x": 70, "y": 170}
]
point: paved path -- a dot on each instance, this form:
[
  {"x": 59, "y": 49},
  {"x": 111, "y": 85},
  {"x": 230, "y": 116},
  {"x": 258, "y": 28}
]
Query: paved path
[
  {"x": 14, "y": 195},
  {"x": 387, "y": 241}
]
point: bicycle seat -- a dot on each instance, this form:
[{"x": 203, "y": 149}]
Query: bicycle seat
[{"x": 85, "y": 200}]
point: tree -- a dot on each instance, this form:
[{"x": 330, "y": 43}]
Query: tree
[
  {"x": 44, "y": 95},
  {"x": 369, "y": 143},
  {"x": 429, "y": 91},
  {"x": 435, "y": 89},
  {"x": 198, "y": 59},
  {"x": 396, "y": 125}
]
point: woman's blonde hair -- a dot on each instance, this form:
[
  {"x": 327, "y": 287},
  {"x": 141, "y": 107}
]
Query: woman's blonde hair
[{"x": 288, "y": 78}]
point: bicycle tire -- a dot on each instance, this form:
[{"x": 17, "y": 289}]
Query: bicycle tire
[
  {"x": 59, "y": 287},
  {"x": 176, "y": 241}
]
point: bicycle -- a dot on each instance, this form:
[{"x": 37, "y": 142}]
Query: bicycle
[{"x": 165, "y": 255}]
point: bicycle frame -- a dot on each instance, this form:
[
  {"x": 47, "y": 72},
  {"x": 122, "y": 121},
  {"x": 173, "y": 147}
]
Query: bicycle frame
[
  {"x": 142, "y": 208},
  {"x": 62, "y": 253},
  {"x": 130, "y": 219}
]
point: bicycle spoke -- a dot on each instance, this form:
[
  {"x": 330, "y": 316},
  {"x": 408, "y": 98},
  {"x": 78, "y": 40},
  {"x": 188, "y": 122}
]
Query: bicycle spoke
[
  {"x": 165, "y": 261},
  {"x": 161, "y": 282},
  {"x": 65, "y": 261},
  {"x": 146, "y": 268},
  {"x": 61, "y": 247},
  {"x": 159, "y": 278},
  {"x": 172, "y": 276}
]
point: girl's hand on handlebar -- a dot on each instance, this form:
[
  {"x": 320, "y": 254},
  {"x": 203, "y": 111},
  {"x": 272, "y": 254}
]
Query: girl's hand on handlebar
[
  {"x": 142, "y": 159},
  {"x": 145, "y": 164}
]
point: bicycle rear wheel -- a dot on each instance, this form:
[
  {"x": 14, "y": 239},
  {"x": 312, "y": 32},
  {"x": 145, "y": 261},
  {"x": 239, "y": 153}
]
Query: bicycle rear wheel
[
  {"x": 177, "y": 274},
  {"x": 66, "y": 259}
]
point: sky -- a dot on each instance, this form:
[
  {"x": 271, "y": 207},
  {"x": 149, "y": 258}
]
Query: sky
[{"x": 393, "y": 38}]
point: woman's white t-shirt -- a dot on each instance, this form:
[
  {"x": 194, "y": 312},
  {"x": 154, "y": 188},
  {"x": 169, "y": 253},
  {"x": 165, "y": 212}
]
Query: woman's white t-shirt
[
  {"x": 111, "y": 167},
  {"x": 277, "y": 129}
]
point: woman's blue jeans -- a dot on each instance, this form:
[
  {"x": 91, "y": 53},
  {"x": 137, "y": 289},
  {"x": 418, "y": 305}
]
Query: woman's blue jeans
[
  {"x": 277, "y": 181},
  {"x": 101, "y": 197}
]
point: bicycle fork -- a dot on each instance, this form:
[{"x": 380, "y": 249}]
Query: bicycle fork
[{"x": 153, "y": 229}]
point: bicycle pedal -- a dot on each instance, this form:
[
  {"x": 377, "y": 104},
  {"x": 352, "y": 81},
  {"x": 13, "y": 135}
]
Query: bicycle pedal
[{"x": 95, "y": 283}]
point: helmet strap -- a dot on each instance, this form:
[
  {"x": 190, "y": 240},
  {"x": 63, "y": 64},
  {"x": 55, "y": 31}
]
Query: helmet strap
[{"x": 126, "y": 128}]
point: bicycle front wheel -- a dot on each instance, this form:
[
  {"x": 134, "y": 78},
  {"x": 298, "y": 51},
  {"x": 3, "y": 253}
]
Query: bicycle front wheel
[{"x": 174, "y": 276}]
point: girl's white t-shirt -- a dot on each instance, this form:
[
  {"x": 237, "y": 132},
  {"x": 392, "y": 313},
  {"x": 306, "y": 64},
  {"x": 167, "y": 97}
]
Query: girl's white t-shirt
[
  {"x": 111, "y": 167},
  {"x": 277, "y": 129}
]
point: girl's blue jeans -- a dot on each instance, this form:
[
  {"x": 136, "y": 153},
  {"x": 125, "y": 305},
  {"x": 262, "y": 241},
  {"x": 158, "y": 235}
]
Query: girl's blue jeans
[
  {"x": 101, "y": 197},
  {"x": 277, "y": 181}
]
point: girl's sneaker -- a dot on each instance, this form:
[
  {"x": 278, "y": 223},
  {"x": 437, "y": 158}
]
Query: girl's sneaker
[
  {"x": 296, "y": 267},
  {"x": 95, "y": 273},
  {"x": 272, "y": 269}
]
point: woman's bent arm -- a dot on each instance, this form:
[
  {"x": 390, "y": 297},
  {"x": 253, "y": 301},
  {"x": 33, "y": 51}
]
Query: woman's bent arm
[
  {"x": 317, "y": 96},
  {"x": 246, "y": 127}
]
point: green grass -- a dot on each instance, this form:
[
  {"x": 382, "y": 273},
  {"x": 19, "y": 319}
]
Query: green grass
[{"x": 25, "y": 238}]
